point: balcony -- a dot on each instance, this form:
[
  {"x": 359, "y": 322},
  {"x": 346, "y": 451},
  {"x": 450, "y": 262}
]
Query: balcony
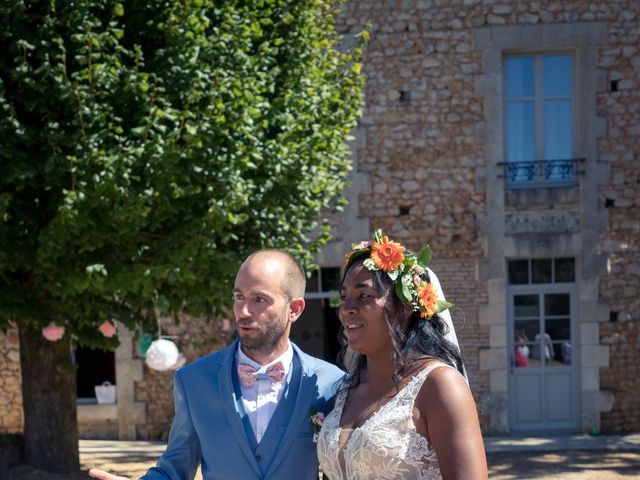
[{"x": 541, "y": 173}]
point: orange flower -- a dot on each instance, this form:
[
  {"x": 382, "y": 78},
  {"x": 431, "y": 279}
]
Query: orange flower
[
  {"x": 387, "y": 255},
  {"x": 427, "y": 300}
]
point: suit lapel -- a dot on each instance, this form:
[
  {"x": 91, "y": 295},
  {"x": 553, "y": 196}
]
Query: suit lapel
[
  {"x": 302, "y": 399},
  {"x": 233, "y": 407}
]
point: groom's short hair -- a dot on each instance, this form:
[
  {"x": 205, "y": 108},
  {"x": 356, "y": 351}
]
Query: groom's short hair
[{"x": 295, "y": 280}]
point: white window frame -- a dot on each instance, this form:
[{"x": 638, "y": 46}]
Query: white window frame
[{"x": 536, "y": 167}]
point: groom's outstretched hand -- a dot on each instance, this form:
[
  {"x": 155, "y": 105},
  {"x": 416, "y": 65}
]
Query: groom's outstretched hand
[{"x": 102, "y": 475}]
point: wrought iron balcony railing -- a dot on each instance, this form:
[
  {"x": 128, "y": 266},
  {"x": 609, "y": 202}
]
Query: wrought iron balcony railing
[{"x": 541, "y": 173}]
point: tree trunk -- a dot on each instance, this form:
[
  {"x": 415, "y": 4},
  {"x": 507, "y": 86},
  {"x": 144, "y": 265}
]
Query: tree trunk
[{"x": 49, "y": 401}]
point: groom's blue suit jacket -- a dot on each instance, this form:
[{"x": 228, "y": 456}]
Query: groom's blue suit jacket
[{"x": 211, "y": 427}]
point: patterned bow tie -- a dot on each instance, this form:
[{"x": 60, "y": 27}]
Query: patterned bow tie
[{"x": 248, "y": 374}]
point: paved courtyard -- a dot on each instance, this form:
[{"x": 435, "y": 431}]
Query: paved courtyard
[
  {"x": 574, "y": 457},
  {"x": 578, "y": 457}
]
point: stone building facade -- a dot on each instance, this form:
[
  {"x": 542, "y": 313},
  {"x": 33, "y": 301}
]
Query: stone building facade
[
  {"x": 537, "y": 251},
  {"x": 507, "y": 135}
]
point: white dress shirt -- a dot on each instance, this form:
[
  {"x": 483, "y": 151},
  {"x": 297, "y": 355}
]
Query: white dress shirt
[{"x": 261, "y": 399}]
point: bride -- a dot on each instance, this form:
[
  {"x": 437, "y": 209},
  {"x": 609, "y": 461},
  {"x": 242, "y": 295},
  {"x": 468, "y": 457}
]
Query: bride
[{"x": 406, "y": 410}]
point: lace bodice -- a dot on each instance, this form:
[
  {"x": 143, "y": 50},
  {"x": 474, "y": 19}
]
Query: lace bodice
[{"x": 387, "y": 446}]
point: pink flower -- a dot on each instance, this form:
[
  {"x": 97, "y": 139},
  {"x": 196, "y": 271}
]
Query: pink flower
[
  {"x": 107, "y": 329},
  {"x": 317, "y": 419},
  {"x": 417, "y": 280},
  {"x": 363, "y": 245},
  {"x": 418, "y": 269},
  {"x": 53, "y": 332}
]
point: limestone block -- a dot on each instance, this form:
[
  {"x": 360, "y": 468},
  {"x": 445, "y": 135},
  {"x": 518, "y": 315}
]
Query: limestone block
[
  {"x": 498, "y": 381},
  {"x": 492, "y": 313},
  {"x": 550, "y": 221},
  {"x": 97, "y": 413},
  {"x": 589, "y": 333},
  {"x": 495, "y": 405},
  {"x": 492, "y": 358},
  {"x": 497, "y": 336},
  {"x": 603, "y": 312},
  {"x": 589, "y": 288},
  {"x": 595, "y": 401},
  {"x": 590, "y": 378},
  {"x": 594, "y": 355}
]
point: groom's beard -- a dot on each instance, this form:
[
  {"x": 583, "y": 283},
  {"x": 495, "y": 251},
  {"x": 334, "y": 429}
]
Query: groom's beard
[{"x": 267, "y": 339}]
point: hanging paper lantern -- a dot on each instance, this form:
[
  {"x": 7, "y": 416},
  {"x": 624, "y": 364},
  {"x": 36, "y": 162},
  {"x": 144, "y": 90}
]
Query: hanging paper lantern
[
  {"x": 53, "y": 332},
  {"x": 143, "y": 343},
  {"x": 162, "y": 355},
  {"x": 107, "y": 329}
]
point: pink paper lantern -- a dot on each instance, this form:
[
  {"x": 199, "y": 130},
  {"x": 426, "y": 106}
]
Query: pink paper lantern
[
  {"x": 107, "y": 329},
  {"x": 53, "y": 332}
]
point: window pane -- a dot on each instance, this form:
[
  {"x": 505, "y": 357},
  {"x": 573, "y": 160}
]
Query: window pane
[
  {"x": 558, "y": 75},
  {"x": 526, "y": 306},
  {"x": 518, "y": 272},
  {"x": 312, "y": 282},
  {"x": 543, "y": 347},
  {"x": 534, "y": 355},
  {"x": 519, "y": 76},
  {"x": 557, "y": 129},
  {"x": 541, "y": 270},
  {"x": 525, "y": 330},
  {"x": 520, "y": 132},
  {"x": 559, "y": 329},
  {"x": 522, "y": 354},
  {"x": 565, "y": 270},
  {"x": 330, "y": 279},
  {"x": 562, "y": 352},
  {"x": 557, "y": 304}
]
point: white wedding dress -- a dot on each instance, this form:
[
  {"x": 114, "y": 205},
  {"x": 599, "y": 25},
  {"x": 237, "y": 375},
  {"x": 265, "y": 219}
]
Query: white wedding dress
[{"x": 386, "y": 446}]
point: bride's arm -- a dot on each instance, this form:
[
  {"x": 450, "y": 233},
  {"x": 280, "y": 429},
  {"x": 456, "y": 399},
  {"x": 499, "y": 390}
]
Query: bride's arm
[{"x": 450, "y": 420}]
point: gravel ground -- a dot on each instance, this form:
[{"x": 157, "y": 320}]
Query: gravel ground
[{"x": 568, "y": 465}]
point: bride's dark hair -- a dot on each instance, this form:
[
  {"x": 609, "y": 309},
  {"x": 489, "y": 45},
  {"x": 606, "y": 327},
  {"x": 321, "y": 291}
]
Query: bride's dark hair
[{"x": 422, "y": 338}]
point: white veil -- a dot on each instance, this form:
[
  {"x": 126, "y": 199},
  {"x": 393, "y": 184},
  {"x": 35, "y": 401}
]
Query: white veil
[{"x": 446, "y": 315}]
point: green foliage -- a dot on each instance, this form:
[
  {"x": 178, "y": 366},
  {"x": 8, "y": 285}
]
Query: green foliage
[{"x": 149, "y": 145}]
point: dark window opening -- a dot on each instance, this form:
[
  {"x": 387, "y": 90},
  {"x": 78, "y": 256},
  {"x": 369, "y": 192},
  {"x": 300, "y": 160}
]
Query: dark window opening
[
  {"x": 405, "y": 209},
  {"x": 94, "y": 368},
  {"x": 541, "y": 270},
  {"x": 405, "y": 97}
]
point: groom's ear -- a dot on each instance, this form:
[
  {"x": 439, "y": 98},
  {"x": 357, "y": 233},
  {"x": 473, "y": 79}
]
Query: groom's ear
[{"x": 296, "y": 307}]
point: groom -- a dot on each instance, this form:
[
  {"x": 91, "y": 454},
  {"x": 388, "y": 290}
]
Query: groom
[{"x": 244, "y": 412}]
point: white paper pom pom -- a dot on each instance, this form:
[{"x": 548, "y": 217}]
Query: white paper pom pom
[{"x": 162, "y": 354}]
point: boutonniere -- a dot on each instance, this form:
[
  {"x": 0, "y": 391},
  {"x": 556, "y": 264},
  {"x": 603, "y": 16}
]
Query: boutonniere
[{"x": 317, "y": 419}]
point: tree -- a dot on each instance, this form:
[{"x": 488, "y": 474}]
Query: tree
[{"x": 146, "y": 146}]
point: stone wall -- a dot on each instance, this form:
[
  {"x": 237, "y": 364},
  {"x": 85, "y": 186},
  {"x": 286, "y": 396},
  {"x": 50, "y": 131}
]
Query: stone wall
[
  {"x": 620, "y": 149},
  {"x": 10, "y": 389},
  {"x": 461, "y": 286}
]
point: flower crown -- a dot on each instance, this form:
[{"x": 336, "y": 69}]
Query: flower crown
[{"x": 405, "y": 270}]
